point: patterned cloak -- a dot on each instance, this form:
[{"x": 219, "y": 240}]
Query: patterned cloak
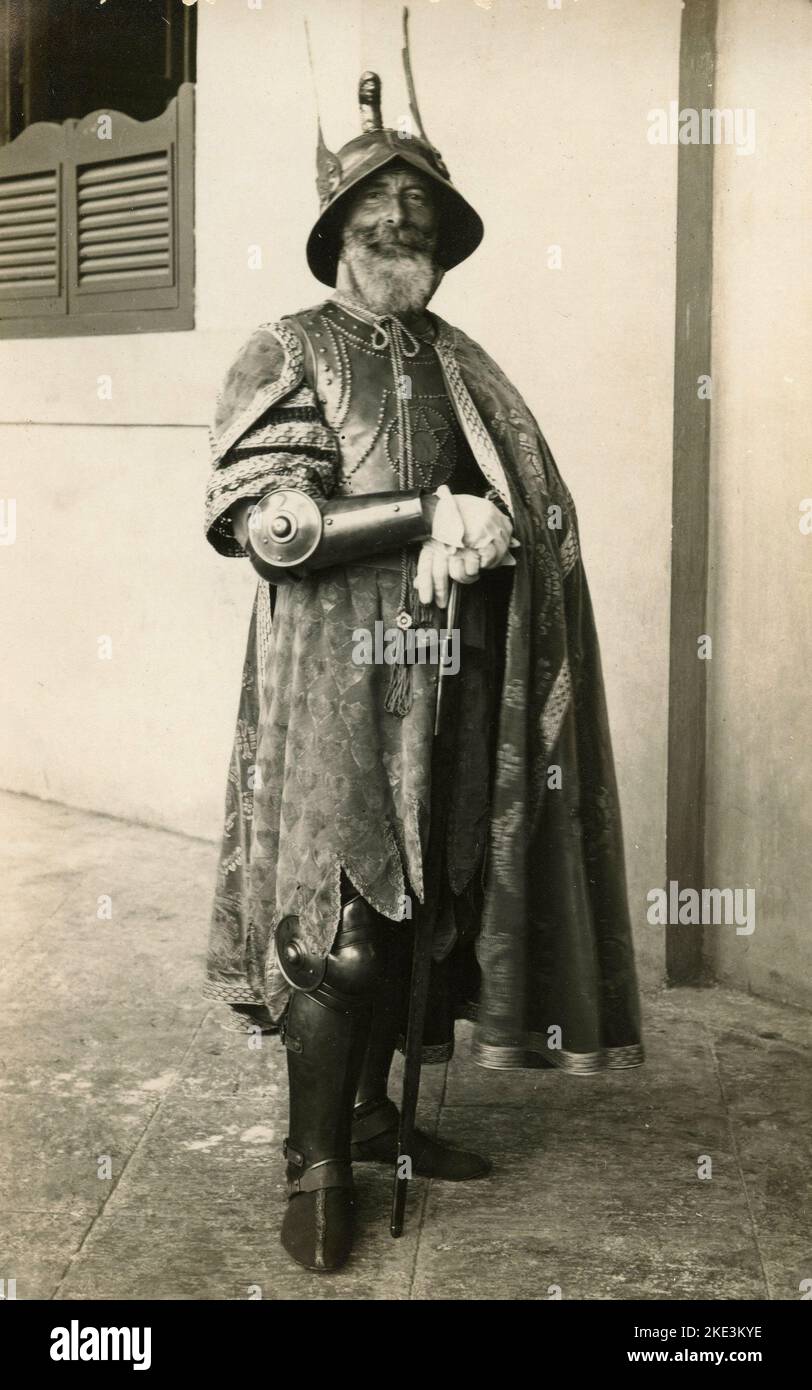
[{"x": 556, "y": 983}]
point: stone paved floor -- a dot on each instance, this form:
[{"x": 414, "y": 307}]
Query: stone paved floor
[{"x": 106, "y": 1049}]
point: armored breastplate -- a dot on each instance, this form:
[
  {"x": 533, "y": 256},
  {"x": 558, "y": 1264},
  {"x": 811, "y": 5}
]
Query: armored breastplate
[{"x": 388, "y": 406}]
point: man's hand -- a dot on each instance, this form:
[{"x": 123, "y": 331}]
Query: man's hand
[
  {"x": 437, "y": 565},
  {"x": 464, "y": 522},
  {"x": 487, "y": 530},
  {"x": 469, "y": 534}
]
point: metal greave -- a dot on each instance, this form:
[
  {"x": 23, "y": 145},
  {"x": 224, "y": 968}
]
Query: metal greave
[
  {"x": 388, "y": 1015},
  {"x": 327, "y": 1029}
]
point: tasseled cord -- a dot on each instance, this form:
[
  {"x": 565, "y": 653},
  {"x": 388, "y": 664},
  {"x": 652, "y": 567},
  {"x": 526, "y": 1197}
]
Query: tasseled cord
[
  {"x": 411, "y": 612},
  {"x": 399, "y": 692}
]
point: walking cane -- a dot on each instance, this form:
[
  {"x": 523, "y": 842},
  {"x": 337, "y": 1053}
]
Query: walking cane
[{"x": 421, "y": 958}]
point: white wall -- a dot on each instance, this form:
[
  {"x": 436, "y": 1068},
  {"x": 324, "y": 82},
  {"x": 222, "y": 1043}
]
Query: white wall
[
  {"x": 759, "y": 770},
  {"x": 541, "y": 116},
  {"x": 109, "y": 546}
]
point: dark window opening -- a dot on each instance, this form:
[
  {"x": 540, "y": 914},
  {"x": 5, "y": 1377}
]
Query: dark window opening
[
  {"x": 96, "y": 166},
  {"x": 66, "y": 58}
]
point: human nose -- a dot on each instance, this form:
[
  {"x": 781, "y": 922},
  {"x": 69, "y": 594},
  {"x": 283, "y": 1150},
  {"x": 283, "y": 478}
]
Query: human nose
[{"x": 393, "y": 211}]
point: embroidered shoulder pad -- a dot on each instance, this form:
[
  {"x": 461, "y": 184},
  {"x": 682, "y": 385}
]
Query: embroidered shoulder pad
[{"x": 268, "y": 367}]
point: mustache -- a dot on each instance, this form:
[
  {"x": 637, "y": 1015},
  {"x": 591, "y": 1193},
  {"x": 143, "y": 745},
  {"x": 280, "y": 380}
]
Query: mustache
[{"x": 387, "y": 239}]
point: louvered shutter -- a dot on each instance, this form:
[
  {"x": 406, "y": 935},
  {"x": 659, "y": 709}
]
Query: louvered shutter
[
  {"x": 128, "y": 199},
  {"x": 125, "y": 223},
  {"x": 32, "y": 280},
  {"x": 97, "y": 235}
]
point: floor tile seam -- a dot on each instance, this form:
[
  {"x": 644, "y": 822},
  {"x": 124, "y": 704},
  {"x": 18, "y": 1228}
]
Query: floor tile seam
[
  {"x": 427, "y": 1190},
  {"x": 135, "y": 1149},
  {"x": 740, "y": 1170},
  {"x": 72, "y": 1257},
  {"x": 420, "y": 1228},
  {"x": 694, "y": 998}
]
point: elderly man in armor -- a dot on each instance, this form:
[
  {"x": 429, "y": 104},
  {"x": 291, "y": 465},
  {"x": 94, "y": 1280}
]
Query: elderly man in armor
[{"x": 366, "y": 457}]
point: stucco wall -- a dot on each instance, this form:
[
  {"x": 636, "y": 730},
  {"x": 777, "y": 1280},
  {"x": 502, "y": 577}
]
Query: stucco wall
[
  {"x": 541, "y": 115},
  {"x": 759, "y": 810}
]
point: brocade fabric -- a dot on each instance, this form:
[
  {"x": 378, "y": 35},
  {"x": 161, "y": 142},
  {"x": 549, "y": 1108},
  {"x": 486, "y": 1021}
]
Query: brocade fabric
[{"x": 318, "y": 763}]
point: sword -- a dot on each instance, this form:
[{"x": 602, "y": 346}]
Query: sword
[
  {"x": 421, "y": 955},
  {"x": 446, "y": 637}
]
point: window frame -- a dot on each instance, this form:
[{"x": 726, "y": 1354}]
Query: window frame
[{"x": 80, "y": 311}]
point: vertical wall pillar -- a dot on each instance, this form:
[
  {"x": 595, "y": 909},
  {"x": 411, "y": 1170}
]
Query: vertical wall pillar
[{"x": 685, "y": 826}]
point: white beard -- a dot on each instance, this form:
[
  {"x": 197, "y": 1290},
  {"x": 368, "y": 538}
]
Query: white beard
[{"x": 401, "y": 281}]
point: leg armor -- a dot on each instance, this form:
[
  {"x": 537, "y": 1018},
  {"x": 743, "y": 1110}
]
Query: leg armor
[
  {"x": 389, "y": 1012},
  {"x": 375, "y": 1116},
  {"x": 326, "y": 1032}
]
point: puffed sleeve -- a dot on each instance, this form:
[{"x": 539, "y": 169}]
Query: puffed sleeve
[{"x": 268, "y": 432}]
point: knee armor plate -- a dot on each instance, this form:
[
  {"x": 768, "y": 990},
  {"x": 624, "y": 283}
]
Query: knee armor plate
[
  {"x": 352, "y": 969},
  {"x": 301, "y": 968}
]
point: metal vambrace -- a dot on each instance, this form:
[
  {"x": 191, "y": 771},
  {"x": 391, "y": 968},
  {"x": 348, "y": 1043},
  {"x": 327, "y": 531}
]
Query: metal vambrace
[{"x": 290, "y": 535}]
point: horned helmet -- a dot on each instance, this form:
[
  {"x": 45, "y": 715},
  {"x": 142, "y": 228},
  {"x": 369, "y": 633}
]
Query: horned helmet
[{"x": 338, "y": 176}]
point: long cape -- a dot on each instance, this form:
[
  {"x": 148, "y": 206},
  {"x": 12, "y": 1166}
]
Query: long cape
[{"x": 558, "y": 985}]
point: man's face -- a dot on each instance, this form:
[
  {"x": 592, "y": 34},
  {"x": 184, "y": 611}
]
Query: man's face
[
  {"x": 393, "y": 209},
  {"x": 389, "y": 236}
]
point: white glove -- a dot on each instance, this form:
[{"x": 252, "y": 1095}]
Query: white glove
[
  {"x": 487, "y": 530},
  {"x": 448, "y": 526},
  {"x": 465, "y": 522},
  {"x": 437, "y": 565}
]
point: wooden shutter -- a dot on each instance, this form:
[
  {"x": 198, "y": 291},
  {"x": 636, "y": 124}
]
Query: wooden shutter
[
  {"x": 32, "y": 279},
  {"x": 129, "y": 218},
  {"x": 125, "y": 223},
  {"x": 96, "y": 234}
]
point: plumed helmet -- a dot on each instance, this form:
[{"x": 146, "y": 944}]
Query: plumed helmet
[{"x": 459, "y": 229}]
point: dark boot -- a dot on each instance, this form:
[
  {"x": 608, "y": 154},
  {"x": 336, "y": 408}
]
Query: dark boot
[
  {"x": 375, "y": 1140},
  {"x": 375, "y": 1117},
  {"x": 326, "y": 1033}
]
